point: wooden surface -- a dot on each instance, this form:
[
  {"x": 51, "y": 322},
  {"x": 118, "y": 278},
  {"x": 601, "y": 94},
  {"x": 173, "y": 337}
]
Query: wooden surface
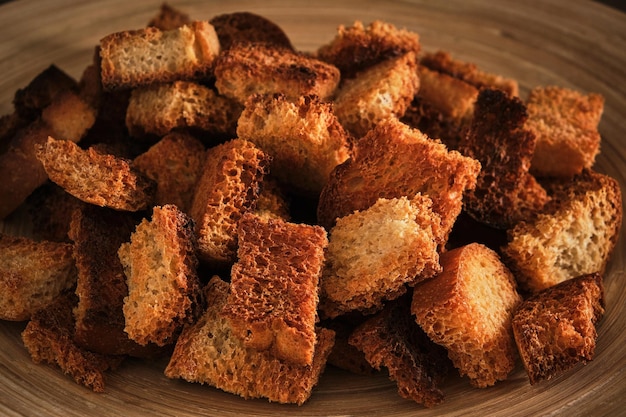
[{"x": 576, "y": 44}]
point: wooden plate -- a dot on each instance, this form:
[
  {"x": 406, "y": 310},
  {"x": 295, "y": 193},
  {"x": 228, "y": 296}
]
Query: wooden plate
[{"x": 576, "y": 44}]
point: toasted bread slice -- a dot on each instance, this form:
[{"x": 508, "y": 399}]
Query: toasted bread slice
[
  {"x": 391, "y": 339},
  {"x": 469, "y": 72},
  {"x": 565, "y": 123},
  {"x": 48, "y": 337},
  {"x": 238, "y": 27},
  {"x": 357, "y": 47},
  {"x": 67, "y": 117},
  {"x": 169, "y": 18},
  {"x": 505, "y": 192},
  {"x": 181, "y": 105},
  {"x": 468, "y": 310},
  {"x": 574, "y": 235},
  {"x": 555, "y": 329},
  {"x": 392, "y": 161},
  {"x": 228, "y": 187},
  {"x": 209, "y": 352},
  {"x": 175, "y": 164},
  {"x": 273, "y": 299},
  {"x": 163, "y": 286},
  {"x": 303, "y": 137},
  {"x": 94, "y": 177},
  {"x": 32, "y": 275},
  {"x": 255, "y": 68},
  {"x": 97, "y": 234},
  {"x": 140, "y": 57},
  {"x": 373, "y": 254},
  {"x": 379, "y": 92},
  {"x": 443, "y": 106}
]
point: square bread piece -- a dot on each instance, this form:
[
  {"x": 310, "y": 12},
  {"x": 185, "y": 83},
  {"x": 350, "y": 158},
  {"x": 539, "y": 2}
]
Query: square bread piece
[
  {"x": 357, "y": 47},
  {"x": 303, "y": 137},
  {"x": 273, "y": 299},
  {"x": 133, "y": 58},
  {"x": 210, "y": 352},
  {"x": 393, "y": 340},
  {"x": 260, "y": 68},
  {"x": 575, "y": 235},
  {"x": 378, "y": 92},
  {"x": 555, "y": 329},
  {"x": 228, "y": 187},
  {"x": 468, "y": 309},
  {"x": 373, "y": 254},
  {"x": 159, "y": 109},
  {"x": 394, "y": 160},
  {"x": 32, "y": 274},
  {"x": 163, "y": 286},
  {"x": 565, "y": 123}
]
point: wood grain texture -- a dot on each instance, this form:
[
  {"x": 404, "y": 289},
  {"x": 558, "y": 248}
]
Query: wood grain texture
[{"x": 575, "y": 44}]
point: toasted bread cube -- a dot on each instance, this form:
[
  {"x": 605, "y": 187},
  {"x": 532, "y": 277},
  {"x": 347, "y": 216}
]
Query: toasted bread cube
[
  {"x": 303, "y": 137},
  {"x": 373, "y": 254},
  {"x": 210, "y": 352},
  {"x": 443, "y": 62},
  {"x": 247, "y": 68},
  {"x": 506, "y": 192},
  {"x": 468, "y": 310},
  {"x": 555, "y": 329},
  {"x": 175, "y": 164},
  {"x": 248, "y": 27},
  {"x": 565, "y": 123},
  {"x": 392, "y": 161},
  {"x": 140, "y": 57},
  {"x": 393, "y": 340},
  {"x": 575, "y": 235},
  {"x": 48, "y": 337},
  {"x": 357, "y": 47},
  {"x": 163, "y": 286},
  {"x": 182, "y": 105},
  {"x": 273, "y": 299},
  {"x": 228, "y": 188},
  {"x": 32, "y": 275},
  {"x": 379, "y": 92},
  {"x": 97, "y": 234},
  {"x": 94, "y": 177}
]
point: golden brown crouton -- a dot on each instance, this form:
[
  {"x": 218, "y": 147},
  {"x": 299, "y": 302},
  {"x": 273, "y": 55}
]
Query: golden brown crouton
[
  {"x": 555, "y": 329},
  {"x": 374, "y": 253},
  {"x": 183, "y": 106},
  {"x": 443, "y": 62},
  {"x": 209, "y": 352},
  {"x": 96, "y": 178},
  {"x": 565, "y": 123},
  {"x": 357, "y": 47},
  {"x": 303, "y": 138},
  {"x": 140, "y": 57},
  {"x": 272, "y": 304},
  {"x": 574, "y": 235},
  {"x": 379, "y": 92},
  {"x": 175, "y": 164},
  {"x": 163, "y": 286},
  {"x": 247, "y": 69},
  {"x": 228, "y": 188},
  {"x": 468, "y": 310},
  {"x": 32, "y": 275}
]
